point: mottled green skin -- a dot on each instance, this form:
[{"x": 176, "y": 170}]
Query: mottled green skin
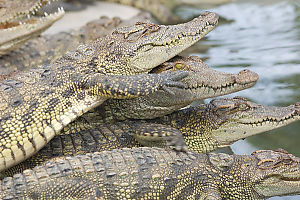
[
  {"x": 204, "y": 128},
  {"x": 154, "y": 173},
  {"x": 16, "y": 28}
]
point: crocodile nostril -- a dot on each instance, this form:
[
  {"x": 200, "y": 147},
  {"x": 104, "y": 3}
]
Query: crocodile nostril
[
  {"x": 246, "y": 76},
  {"x": 297, "y": 106},
  {"x": 205, "y": 13}
]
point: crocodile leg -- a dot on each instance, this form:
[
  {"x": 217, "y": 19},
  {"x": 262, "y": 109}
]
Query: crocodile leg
[
  {"x": 150, "y": 134},
  {"x": 212, "y": 194},
  {"x": 123, "y": 87}
]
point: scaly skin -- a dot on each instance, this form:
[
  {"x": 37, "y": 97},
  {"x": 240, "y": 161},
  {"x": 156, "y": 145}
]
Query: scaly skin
[
  {"x": 18, "y": 23},
  {"x": 47, "y": 48},
  {"x": 204, "y": 128},
  {"x": 154, "y": 173}
]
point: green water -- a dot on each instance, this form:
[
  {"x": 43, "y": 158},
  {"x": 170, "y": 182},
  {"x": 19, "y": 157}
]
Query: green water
[{"x": 263, "y": 36}]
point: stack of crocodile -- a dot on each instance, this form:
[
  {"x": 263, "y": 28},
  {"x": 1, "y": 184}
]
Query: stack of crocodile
[{"x": 59, "y": 123}]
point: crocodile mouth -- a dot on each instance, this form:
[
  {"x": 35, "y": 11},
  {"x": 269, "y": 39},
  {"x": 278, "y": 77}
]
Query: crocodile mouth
[
  {"x": 199, "y": 31},
  {"x": 186, "y": 36},
  {"x": 15, "y": 30},
  {"x": 276, "y": 121},
  {"x": 221, "y": 87},
  {"x": 290, "y": 179},
  {"x": 30, "y": 19}
]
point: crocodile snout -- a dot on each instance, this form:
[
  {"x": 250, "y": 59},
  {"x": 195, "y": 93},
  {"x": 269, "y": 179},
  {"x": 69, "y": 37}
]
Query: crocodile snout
[
  {"x": 297, "y": 106},
  {"x": 246, "y": 76},
  {"x": 212, "y": 18}
]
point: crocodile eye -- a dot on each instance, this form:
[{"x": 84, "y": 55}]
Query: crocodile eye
[
  {"x": 243, "y": 106},
  {"x": 179, "y": 66},
  {"x": 223, "y": 109}
]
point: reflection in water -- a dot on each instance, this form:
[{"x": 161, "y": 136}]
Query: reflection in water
[{"x": 264, "y": 38}]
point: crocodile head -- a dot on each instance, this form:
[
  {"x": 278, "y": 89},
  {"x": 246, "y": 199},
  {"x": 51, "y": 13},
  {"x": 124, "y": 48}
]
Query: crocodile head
[
  {"x": 19, "y": 22},
  {"x": 277, "y": 173},
  {"x": 224, "y": 121},
  {"x": 261, "y": 175},
  {"x": 139, "y": 48},
  {"x": 238, "y": 118},
  {"x": 202, "y": 82}
]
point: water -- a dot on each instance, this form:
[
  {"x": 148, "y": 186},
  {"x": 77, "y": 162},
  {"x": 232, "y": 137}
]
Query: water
[{"x": 263, "y": 36}]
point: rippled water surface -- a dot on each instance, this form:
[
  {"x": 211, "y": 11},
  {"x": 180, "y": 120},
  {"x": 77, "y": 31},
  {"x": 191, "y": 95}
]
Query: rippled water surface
[{"x": 263, "y": 37}]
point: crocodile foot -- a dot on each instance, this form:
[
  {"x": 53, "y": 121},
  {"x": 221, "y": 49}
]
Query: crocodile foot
[
  {"x": 174, "y": 81},
  {"x": 160, "y": 135}
]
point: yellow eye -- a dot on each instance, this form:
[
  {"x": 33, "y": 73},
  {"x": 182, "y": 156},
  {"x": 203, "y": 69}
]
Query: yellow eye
[
  {"x": 243, "y": 106},
  {"x": 179, "y": 66}
]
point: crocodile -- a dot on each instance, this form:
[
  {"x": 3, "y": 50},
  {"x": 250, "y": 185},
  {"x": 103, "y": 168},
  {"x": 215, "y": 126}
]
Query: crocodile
[
  {"x": 18, "y": 22},
  {"x": 47, "y": 48},
  {"x": 204, "y": 128},
  {"x": 202, "y": 82},
  {"x": 154, "y": 173},
  {"x": 36, "y": 105}
]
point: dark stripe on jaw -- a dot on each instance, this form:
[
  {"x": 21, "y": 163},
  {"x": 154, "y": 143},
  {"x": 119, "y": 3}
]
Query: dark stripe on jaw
[
  {"x": 12, "y": 154},
  {"x": 74, "y": 112},
  {"x": 22, "y": 148},
  {"x": 61, "y": 123},
  {"x": 33, "y": 144},
  {"x": 43, "y": 135},
  {"x": 4, "y": 159}
]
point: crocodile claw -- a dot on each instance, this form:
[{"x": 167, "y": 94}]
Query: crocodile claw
[
  {"x": 173, "y": 80},
  {"x": 177, "y": 143}
]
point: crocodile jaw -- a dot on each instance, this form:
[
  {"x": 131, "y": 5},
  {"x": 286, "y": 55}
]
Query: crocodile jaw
[
  {"x": 169, "y": 41},
  {"x": 210, "y": 83},
  {"x": 247, "y": 125},
  {"x": 203, "y": 82},
  {"x": 277, "y": 173},
  {"x": 11, "y": 38},
  {"x": 279, "y": 186}
]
